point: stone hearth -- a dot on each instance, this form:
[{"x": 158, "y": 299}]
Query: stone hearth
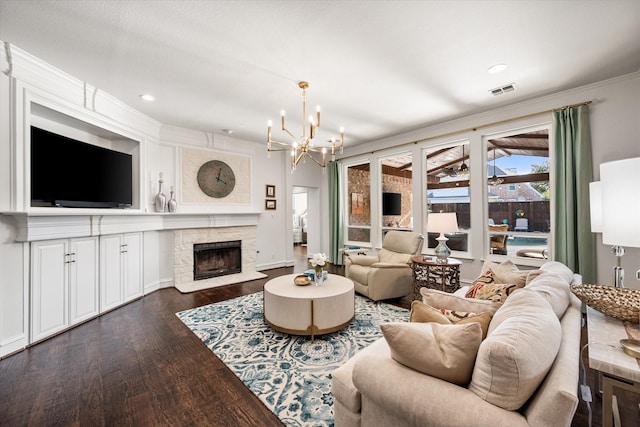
[{"x": 183, "y": 256}]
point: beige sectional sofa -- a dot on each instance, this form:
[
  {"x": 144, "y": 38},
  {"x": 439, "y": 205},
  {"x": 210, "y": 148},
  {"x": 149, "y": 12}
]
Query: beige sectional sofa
[{"x": 526, "y": 370}]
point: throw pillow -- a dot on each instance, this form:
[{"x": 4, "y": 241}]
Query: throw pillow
[
  {"x": 423, "y": 313},
  {"x": 484, "y": 319},
  {"x": 455, "y": 316},
  {"x": 496, "y": 292},
  {"x": 486, "y": 277},
  {"x": 506, "y": 272},
  {"x": 447, "y": 352},
  {"x": 436, "y": 298}
]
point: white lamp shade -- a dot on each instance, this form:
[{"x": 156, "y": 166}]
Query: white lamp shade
[
  {"x": 620, "y": 182},
  {"x": 446, "y": 222},
  {"x": 595, "y": 204}
]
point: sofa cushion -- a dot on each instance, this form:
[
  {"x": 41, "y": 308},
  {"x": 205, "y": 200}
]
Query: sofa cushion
[
  {"x": 522, "y": 343},
  {"x": 422, "y": 313},
  {"x": 553, "y": 283},
  {"x": 342, "y": 386},
  {"x": 440, "y": 299},
  {"x": 532, "y": 274},
  {"x": 447, "y": 352}
]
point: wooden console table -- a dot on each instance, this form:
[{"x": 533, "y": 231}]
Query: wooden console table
[{"x": 429, "y": 273}]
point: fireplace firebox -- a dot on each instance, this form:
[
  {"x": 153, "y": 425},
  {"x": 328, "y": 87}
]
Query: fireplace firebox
[{"x": 216, "y": 259}]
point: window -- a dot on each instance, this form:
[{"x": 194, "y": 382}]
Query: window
[
  {"x": 448, "y": 191},
  {"x": 396, "y": 197},
  {"x": 518, "y": 194},
  {"x": 359, "y": 204}
]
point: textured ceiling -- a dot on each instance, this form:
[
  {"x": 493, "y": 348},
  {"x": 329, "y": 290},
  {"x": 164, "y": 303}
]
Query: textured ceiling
[{"x": 377, "y": 68}]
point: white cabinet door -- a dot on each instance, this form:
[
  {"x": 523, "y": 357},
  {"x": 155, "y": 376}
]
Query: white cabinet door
[
  {"x": 111, "y": 270},
  {"x": 132, "y": 274},
  {"x": 49, "y": 288},
  {"x": 83, "y": 279},
  {"x": 120, "y": 269}
]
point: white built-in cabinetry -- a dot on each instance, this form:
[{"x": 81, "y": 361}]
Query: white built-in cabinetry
[
  {"x": 120, "y": 269},
  {"x": 64, "y": 284},
  {"x": 73, "y": 280}
]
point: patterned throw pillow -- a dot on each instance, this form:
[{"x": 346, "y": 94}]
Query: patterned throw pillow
[
  {"x": 424, "y": 313},
  {"x": 496, "y": 292},
  {"x": 486, "y": 277},
  {"x": 456, "y": 316}
]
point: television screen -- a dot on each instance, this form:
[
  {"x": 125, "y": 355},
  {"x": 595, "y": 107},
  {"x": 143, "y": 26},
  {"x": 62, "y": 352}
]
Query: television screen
[
  {"x": 70, "y": 173},
  {"x": 391, "y": 204}
]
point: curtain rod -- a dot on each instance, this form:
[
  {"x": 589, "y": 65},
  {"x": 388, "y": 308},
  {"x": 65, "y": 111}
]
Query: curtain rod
[{"x": 526, "y": 116}]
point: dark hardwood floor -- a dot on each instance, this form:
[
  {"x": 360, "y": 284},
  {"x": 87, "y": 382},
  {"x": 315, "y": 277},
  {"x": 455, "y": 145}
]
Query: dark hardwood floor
[{"x": 140, "y": 366}]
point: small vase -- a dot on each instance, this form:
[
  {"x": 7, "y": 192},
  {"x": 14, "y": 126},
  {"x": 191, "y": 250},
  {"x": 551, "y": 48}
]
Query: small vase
[
  {"x": 319, "y": 277},
  {"x": 161, "y": 199},
  {"x": 172, "y": 204}
]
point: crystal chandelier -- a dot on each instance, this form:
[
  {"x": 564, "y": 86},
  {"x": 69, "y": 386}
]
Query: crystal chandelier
[{"x": 303, "y": 146}]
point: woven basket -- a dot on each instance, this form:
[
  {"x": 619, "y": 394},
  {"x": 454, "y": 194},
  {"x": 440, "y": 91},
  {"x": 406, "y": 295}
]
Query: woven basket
[{"x": 619, "y": 303}]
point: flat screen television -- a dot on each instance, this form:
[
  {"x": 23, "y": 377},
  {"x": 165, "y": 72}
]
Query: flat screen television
[
  {"x": 70, "y": 173},
  {"x": 391, "y": 204}
]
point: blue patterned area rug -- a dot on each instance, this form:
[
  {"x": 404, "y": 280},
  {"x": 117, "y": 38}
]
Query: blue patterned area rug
[{"x": 290, "y": 374}]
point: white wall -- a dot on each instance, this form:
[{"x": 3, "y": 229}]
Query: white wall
[{"x": 615, "y": 134}]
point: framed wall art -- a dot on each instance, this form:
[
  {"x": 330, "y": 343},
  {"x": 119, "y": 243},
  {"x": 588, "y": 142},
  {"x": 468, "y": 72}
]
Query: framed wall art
[
  {"x": 271, "y": 191},
  {"x": 270, "y": 204}
]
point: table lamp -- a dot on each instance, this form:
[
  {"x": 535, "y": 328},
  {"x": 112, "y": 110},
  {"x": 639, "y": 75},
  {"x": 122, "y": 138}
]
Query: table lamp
[
  {"x": 595, "y": 209},
  {"x": 445, "y": 222},
  {"x": 620, "y": 208}
]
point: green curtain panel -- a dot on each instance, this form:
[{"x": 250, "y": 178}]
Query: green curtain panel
[
  {"x": 573, "y": 242},
  {"x": 336, "y": 239}
]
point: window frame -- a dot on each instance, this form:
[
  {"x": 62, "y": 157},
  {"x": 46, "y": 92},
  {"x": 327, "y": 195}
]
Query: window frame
[
  {"x": 380, "y": 190},
  {"x": 487, "y": 255},
  {"x": 466, "y": 142},
  {"x": 347, "y": 205}
]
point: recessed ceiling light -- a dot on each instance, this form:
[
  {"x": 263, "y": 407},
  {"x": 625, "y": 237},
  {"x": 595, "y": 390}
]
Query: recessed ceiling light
[
  {"x": 227, "y": 131},
  {"x": 147, "y": 97},
  {"x": 497, "y": 68}
]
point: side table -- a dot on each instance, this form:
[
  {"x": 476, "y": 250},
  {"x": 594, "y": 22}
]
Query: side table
[
  {"x": 617, "y": 369},
  {"x": 429, "y": 273}
]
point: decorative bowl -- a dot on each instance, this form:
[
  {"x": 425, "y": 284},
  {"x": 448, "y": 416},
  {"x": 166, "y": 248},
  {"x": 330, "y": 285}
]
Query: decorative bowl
[
  {"x": 619, "y": 303},
  {"x": 302, "y": 280}
]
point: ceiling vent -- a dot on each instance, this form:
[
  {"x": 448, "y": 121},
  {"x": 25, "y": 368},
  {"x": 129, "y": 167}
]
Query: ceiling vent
[{"x": 504, "y": 89}]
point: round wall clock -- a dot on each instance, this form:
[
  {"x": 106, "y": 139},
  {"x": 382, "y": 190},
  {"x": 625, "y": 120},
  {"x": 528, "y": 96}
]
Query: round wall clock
[{"x": 216, "y": 179}]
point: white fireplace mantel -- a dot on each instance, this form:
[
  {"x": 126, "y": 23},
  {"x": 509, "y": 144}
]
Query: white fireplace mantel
[{"x": 54, "y": 225}]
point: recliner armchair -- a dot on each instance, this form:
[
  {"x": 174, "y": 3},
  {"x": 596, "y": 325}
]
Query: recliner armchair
[{"x": 387, "y": 274}]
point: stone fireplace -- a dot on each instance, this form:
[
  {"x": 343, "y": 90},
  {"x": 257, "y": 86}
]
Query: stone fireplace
[
  {"x": 234, "y": 262},
  {"x": 216, "y": 259}
]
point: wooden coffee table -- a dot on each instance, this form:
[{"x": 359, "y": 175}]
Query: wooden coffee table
[{"x": 309, "y": 310}]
